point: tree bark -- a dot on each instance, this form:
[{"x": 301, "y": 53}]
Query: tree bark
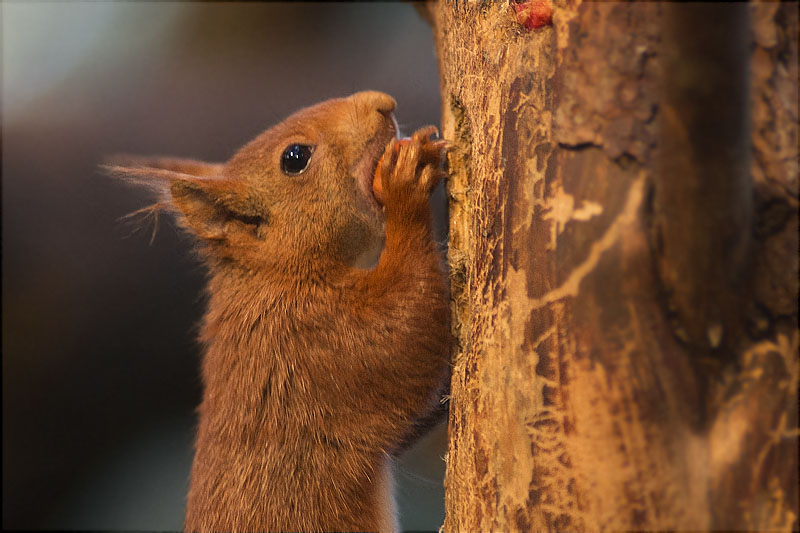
[{"x": 623, "y": 251}]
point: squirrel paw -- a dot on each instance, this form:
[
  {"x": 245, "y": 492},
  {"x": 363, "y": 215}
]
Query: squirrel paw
[{"x": 409, "y": 169}]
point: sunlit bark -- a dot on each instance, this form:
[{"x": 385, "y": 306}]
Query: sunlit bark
[{"x": 623, "y": 249}]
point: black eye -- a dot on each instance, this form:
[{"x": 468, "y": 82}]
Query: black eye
[{"x": 295, "y": 158}]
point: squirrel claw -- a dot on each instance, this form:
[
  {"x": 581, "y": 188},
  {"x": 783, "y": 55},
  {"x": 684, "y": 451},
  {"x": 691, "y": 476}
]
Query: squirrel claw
[{"x": 434, "y": 152}]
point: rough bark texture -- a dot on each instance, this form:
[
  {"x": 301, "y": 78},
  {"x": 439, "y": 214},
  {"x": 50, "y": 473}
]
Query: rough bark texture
[{"x": 624, "y": 293}]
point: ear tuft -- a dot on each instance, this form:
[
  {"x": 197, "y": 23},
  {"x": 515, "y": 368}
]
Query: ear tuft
[
  {"x": 152, "y": 210},
  {"x": 157, "y": 173},
  {"x": 153, "y": 179},
  {"x": 192, "y": 167},
  {"x": 193, "y": 189},
  {"x": 169, "y": 179}
]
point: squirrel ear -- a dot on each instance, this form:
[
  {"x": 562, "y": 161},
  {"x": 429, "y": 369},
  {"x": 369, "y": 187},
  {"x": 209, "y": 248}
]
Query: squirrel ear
[
  {"x": 194, "y": 189},
  {"x": 197, "y": 201},
  {"x": 183, "y": 193},
  {"x": 157, "y": 173},
  {"x": 209, "y": 204}
]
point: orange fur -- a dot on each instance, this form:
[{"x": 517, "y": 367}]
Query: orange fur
[{"x": 315, "y": 370}]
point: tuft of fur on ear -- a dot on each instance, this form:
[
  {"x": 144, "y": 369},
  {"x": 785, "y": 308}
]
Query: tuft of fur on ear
[
  {"x": 196, "y": 191},
  {"x": 157, "y": 181},
  {"x": 193, "y": 167},
  {"x": 157, "y": 175}
]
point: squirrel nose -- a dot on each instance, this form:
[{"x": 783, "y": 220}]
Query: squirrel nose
[{"x": 379, "y": 101}]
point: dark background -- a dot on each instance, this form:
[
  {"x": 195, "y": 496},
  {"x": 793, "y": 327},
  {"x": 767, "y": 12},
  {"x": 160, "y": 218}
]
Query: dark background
[{"x": 100, "y": 365}]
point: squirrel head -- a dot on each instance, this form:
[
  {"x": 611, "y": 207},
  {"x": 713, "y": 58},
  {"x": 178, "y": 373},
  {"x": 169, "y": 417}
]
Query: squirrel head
[{"x": 300, "y": 194}]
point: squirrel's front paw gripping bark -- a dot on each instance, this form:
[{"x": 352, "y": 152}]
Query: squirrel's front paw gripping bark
[{"x": 408, "y": 171}]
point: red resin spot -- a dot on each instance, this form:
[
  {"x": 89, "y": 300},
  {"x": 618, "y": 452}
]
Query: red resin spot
[{"x": 534, "y": 14}]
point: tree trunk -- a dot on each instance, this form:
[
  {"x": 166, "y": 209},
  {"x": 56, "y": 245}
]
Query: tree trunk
[{"x": 623, "y": 249}]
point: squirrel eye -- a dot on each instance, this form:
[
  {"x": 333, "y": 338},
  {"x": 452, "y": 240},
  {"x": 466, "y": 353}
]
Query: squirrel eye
[{"x": 295, "y": 158}]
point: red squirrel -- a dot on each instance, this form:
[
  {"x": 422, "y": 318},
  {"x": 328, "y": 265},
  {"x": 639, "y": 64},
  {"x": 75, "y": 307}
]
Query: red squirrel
[{"x": 315, "y": 368}]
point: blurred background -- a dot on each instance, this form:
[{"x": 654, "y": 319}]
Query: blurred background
[{"x": 100, "y": 364}]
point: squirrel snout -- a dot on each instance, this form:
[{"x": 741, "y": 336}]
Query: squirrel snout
[{"x": 379, "y": 101}]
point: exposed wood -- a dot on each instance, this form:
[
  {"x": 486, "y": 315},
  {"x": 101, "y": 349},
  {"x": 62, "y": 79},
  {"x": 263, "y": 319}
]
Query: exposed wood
[{"x": 579, "y": 400}]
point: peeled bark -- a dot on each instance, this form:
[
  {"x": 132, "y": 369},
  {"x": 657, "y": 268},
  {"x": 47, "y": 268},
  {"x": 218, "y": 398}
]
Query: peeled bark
[{"x": 623, "y": 249}]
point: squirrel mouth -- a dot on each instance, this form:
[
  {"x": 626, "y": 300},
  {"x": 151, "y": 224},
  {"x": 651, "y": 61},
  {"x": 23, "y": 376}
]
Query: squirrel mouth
[{"x": 365, "y": 170}]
